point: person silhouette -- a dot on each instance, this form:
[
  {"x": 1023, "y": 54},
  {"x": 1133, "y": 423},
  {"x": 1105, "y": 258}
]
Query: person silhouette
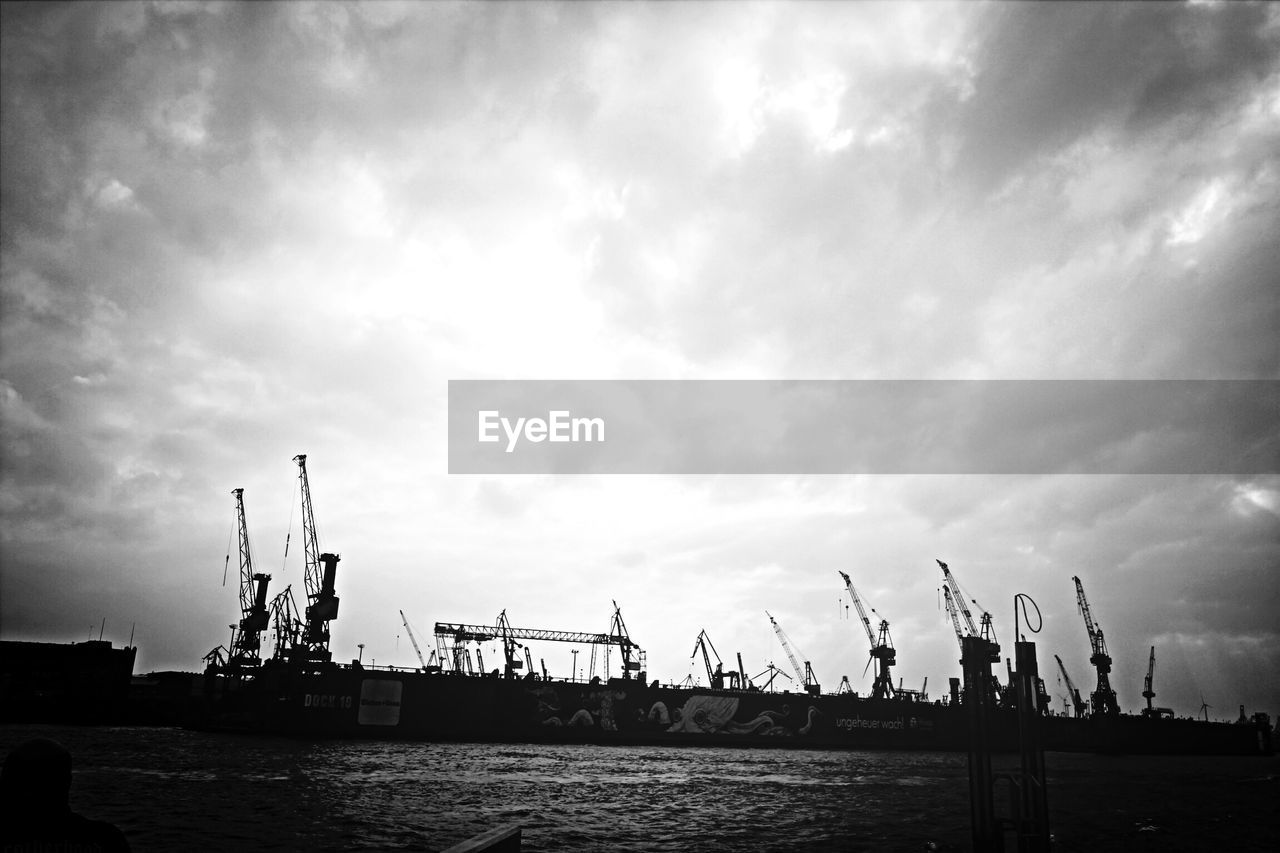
[{"x": 35, "y": 810}]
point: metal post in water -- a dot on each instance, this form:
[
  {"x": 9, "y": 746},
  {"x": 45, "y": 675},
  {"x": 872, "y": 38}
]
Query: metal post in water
[
  {"x": 974, "y": 659},
  {"x": 1033, "y": 816}
]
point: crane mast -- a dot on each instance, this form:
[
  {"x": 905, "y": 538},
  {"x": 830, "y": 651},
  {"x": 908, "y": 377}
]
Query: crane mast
[
  {"x": 509, "y": 646},
  {"x": 881, "y": 647},
  {"x": 1147, "y": 692},
  {"x": 1103, "y": 698},
  {"x": 805, "y": 674},
  {"x": 320, "y": 573},
  {"x": 245, "y": 653},
  {"x": 1076, "y": 701}
]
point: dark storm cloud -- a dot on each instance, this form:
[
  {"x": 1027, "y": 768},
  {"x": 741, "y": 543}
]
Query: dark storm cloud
[{"x": 1046, "y": 74}]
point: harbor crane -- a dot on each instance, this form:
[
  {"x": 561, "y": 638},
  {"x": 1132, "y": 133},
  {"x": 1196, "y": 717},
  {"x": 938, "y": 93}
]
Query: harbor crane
[
  {"x": 1149, "y": 693},
  {"x": 987, "y": 631},
  {"x": 716, "y": 677},
  {"x": 320, "y": 573},
  {"x": 805, "y": 675},
  {"x": 245, "y": 653},
  {"x": 1103, "y": 699},
  {"x": 414, "y": 640},
  {"x": 285, "y": 623},
  {"x": 509, "y": 646},
  {"x": 773, "y": 672},
  {"x": 1076, "y": 701},
  {"x": 957, "y": 609},
  {"x": 881, "y": 647}
]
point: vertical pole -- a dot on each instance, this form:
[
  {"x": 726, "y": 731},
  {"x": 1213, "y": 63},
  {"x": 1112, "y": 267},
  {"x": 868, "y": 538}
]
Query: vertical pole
[
  {"x": 1033, "y": 817},
  {"x": 976, "y": 666}
]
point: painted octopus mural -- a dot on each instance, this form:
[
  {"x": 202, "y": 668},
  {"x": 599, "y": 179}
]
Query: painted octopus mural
[
  {"x": 715, "y": 714},
  {"x": 597, "y": 708}
]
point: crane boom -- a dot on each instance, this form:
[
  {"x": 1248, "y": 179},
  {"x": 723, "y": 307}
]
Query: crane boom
[
  {"x": 881, "y": 647},
  {"x": 1104, "y": 697},
  {"x": 987, "y": 631},
  {"x": 245, "y": 652},
  {"x": 805, "y": 673},
  {"x": 955, "y": 618},
  {"x": 414, "y": 640},
  {"x": 958, "y": 599},
  {"x": 1076, "y": 701},
  {"x": 319, "y": 575},
  {"x": 857, "y": 602},
  {"x": 786, "y": 647}
]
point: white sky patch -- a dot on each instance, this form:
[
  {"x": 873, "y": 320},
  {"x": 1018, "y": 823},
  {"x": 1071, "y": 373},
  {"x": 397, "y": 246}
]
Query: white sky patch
[
  {"x": 812, "y": 101},
  {"x": 1251, "y": 498},
  {"x": 115, "y": 195},
  {"x": 1206, "y": 210},
  {"x": 737, "y": 86}
]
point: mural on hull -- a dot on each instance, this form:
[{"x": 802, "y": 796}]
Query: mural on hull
[{"x": 605, "y": 707}]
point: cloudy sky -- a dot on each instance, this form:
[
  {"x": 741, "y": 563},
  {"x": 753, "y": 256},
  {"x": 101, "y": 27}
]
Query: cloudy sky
[{"x": 232, "y": 233}]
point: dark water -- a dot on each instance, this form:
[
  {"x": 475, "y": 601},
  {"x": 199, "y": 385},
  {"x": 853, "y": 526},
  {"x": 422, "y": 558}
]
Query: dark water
[{"x": 170, "y": 789}]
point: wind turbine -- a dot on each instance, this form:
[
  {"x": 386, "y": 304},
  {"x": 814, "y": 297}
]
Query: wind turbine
[{"x": 1204, "y": 708}]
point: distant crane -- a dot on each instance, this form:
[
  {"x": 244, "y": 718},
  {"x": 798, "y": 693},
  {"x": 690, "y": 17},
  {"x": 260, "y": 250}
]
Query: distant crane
[
  {"x": 716, "y": 677},
  {"x": 450, "y": 639},
  {"x": 805, "y": 675},
  {"x": 773, "y": 672},
  {"x": 1149, "y": 692},
  {"x": 1071, "y": 689},
  {"x": 246, "y": 649},
  {"x": 881, "y": 647},
  {"x": 1103, "y": 699},
  {"x": 321, "y": 571},
  {"x": 509, "y": 646},
  {"x": 285, "y": 623},
  {"x": 414, "y": 640}
]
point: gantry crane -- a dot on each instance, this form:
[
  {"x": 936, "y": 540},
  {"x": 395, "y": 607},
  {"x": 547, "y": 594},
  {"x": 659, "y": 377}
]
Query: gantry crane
[
  {"x": 881, "y": 647},
  {"x": 1103, "y": 699},
  {"x": 1076, "y": 701},
  {"x": 321, "y": 570},
  {"x": 450, "y": 638},
  {"x": 805, "y": 674},
  {"x": 1149, "y": 692},
  {"x": 716, "y": 677},
  {"x": 245, "y": 654}
]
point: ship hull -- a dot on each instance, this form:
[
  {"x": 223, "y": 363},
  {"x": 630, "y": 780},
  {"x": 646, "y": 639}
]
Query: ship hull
[{"x": 348, "y": 701}]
